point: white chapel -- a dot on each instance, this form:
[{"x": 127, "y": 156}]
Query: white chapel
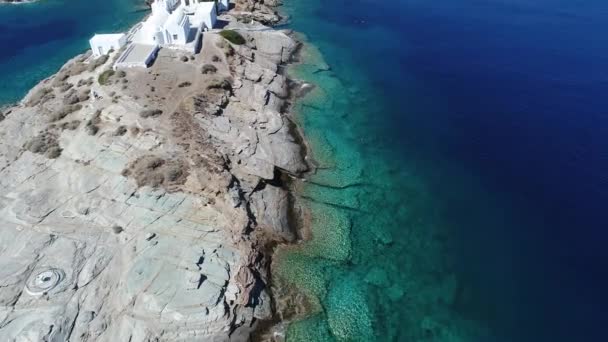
[{"x": 175, "y": 23}]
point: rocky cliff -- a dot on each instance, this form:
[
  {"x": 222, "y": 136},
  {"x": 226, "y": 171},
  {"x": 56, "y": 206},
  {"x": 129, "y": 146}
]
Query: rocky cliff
[{"x": 135, "y": 204}]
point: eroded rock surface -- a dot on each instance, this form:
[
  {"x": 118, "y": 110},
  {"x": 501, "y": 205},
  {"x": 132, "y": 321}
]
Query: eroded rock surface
[
  {"x": 263, "y": 11},
  {"x": 123, "y": 226}
]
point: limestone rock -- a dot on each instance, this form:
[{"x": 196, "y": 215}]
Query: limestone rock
[
  {"x": 182, "y": 266},
  {"x": 270, "y": 207}
]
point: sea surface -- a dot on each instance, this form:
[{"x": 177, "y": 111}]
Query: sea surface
[
  {"x": 462, "y": 145},
  {"x": 38, "y": 38},
  {"x": 462, "y": 190}
]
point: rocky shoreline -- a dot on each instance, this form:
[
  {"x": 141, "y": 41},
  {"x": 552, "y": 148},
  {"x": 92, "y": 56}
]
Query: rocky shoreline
[{"x": 142, "y": 205}]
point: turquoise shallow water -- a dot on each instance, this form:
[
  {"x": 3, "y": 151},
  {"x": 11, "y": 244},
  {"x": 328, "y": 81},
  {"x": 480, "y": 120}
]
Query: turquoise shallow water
[
  {"x": 37, "y": 38},
  {"x": 379, "y": 265}
]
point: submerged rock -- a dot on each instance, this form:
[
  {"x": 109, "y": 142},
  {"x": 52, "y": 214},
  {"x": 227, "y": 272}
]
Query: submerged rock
[{"x": 348, "y": 316}]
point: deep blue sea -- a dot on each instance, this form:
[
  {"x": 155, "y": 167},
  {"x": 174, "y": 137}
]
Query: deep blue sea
[
  {"x": 463, "y": 145},
  {"x": 469, "y": 139}
]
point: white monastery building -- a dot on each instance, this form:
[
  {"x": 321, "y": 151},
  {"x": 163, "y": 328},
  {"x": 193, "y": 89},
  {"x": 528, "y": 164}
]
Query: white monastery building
[
  {"x": 173, "y": 24},
  {"x": 177, "y": 24},
  {"x": 102, "y": 44}
]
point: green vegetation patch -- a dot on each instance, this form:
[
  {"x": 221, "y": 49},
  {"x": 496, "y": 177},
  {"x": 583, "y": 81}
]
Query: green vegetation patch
[
  {"x": 233, "y": 37},
  {"x": 105, "y": 76}
]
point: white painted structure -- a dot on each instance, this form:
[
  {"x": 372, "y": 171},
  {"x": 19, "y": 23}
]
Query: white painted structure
[
  {"x": 177, "y": 28},
  {"x": 168, "y": 24},
  {"x": 177, "y": 24},
  {"x": 102, "y": 44},
  {"x": 203, "y": 15},
  {"x": 137, "y": 56},
  {"x": 223, "y": 5},
  {"x": 174, "y": 24}
]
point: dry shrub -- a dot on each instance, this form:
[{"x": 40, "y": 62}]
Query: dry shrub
[
  {"x": 65, "y": 87},
  {"x": 120, "y": 131},
  {"x": 229, "y": 51},
  {"x": 73, "y": 96},
  {"x": 92, "y": 125},
  {"x": 98, "y": 62},
  {"x": 173, "y": 172},
  {"x": 76, "y": 68},
  {"x": 91, "y": 129},
  {"x": 219, "y": 84},
  {"x": 134, "y": 130},
  {"x": 41, "y": 96},
  {"x": 104, "y": 77},
  {"x": 70, "y": 98},
  {"x": 150, "y": 113},
  {"x": 73, "y": 69},
  {"x": 64, "y": 111},
  {"x": 54, "y": 152},
  {"x": 155, "y": 171},
  {"x": 211, "y": 102},
  {"x": 70, "y": 125},
  {"x": 82, "y": 82},
  {"x": 46, "y": 144},
  {"x": 208, "y": 69}
]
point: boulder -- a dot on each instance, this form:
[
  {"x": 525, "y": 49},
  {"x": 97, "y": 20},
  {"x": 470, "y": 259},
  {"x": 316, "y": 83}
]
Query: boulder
[{"x": 270, "y": 206}]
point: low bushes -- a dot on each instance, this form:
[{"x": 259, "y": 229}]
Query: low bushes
[
  {"x": 45, "y": 144},
  {"x": 65, "y": 87},
  {"x": 104, "y": 77},
  {"x": 219, "y": 84},
  {"x": 64, "y": 111},
  {"x": 150, "y": 113},
  {"x": 98, "y": 62},
  {"x": 92, "y": 126},
  {"x": 120, "y": 131},
  {"x": 70, "y": 125},
  {"x": 233, "y": 37},
  {"x": 208, "y": 69},
  {"x": 41, "y": 96},
  {"x": 155, "y": 171}
]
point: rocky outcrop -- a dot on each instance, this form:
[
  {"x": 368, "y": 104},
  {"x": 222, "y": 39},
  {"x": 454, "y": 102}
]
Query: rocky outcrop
[
  {"x": 270, "y": 206},
  {"x": 261, "y": 11},
  {"x": 124, "y": 226}
]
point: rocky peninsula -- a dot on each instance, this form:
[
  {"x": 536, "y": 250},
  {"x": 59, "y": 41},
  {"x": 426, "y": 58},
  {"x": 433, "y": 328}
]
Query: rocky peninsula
[{"x": 138, "y": 205}]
